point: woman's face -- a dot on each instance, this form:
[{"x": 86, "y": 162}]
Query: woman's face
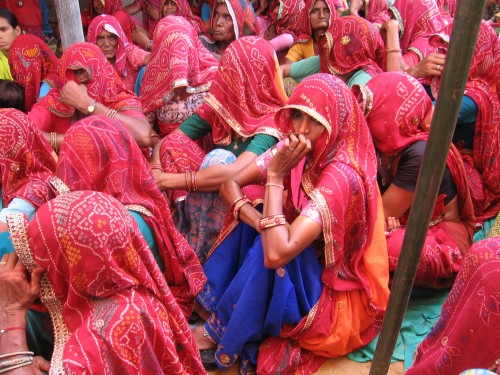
[
  {"x": 169, "y": 7},
  {"x": 222, "y": 24},
  {"x": 108, "y": 43},
  {"x": 7, "y": 35},
  {"x": 81, "y": 76},
  {"x": 98, "y": 6},
  {"x": 308, "y": 126},
  {"x": 319, "y": 16}
]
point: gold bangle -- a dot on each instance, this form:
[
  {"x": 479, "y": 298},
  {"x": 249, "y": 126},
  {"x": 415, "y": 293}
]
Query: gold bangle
[
  {"x": 272, "y": 221},
  {"x": 53, "y": 141},
  {"x": 238, "y": 205},
  {"x": 112, "y": 113},
  {"x": 394, "y": 50}
]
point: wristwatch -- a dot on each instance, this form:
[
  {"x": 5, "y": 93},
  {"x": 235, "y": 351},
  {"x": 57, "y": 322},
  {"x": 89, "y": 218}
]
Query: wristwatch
[{"x": 91, "y": 108}]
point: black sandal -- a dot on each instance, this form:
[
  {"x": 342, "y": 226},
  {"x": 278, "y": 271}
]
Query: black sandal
[{"x": 208, "y": 359}]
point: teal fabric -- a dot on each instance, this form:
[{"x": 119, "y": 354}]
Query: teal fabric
[
  {"x": 44, "y": 89},
  {"x": 304, "y": 68},
  {"x": 359, "y": 78},
  {"x": 149, "y": 236},
  {"x": 5, "y": 244},
  {"x": 483, "y": 232},
  {"x": 138, "y": 80},
  {"x": 424, "y": 310},
  {"x": 195, "y": 127}
]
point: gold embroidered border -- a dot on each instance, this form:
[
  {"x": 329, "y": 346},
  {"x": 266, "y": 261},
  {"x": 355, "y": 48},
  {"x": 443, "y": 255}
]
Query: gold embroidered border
[
  {"x": 18, "y": 228},
  {"x": 59, "y": 185},
  {"x": 140, "y": 209}
]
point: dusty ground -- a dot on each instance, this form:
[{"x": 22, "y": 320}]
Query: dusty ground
[{"x": 339, "y": 366}]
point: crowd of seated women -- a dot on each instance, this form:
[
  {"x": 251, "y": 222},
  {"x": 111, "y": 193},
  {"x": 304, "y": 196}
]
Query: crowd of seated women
[{"x": 229, "y": 183}]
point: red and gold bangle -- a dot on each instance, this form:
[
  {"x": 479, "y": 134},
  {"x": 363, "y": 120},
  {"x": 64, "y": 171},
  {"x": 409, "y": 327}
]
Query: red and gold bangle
[
  {"x": 193, "y": 182},
  {"x": 237, "y": 206},
  {"x": 272, "y": 221},
  {"x": 188, "y": 188}
]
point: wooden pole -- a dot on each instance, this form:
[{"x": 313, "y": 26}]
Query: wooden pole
[
  {"x": 458, "y": 59},
  {"x": 70, "y": 22}
]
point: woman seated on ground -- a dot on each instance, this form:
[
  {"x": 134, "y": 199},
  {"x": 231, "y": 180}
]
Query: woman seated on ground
[
  {"x": 462, "y": 338},
  {"x": 351, "y": 49},
  {"x": 99, "y": 154},
  {"x": 111, "y": 7},
  {"x": 112, "y": 308},
  {"x": 416, "y": 20},
  {"x": 127, "y": 59},
  {"x": 476, "y": 134},
  {"x": 230, "y": 20},
  {"x": 91, "y": 86},
  {"x": 35, "y": 67},
  {"x": 315, "y": 283},
  {"x": 397, "y": 108},
  {"x": 281, "y": 25},
  {"x": 238, "y": 111},
  {"x": 316, "y": 18},
  {"x": 10, "y": 31},
  {"x": 182, "y": 8},
  {"x": 27, "y": 166},
  {"x": 150, "y": 9},
  {"x": 169, "y": 96}
]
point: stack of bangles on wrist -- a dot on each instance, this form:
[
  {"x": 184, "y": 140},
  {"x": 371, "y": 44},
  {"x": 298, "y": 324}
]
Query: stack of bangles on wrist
[
  {"x": 237, "y": 204},
  {"x": 112, "y": 113},
  {"x": 11, "y": 361},
  {"x": 272, "y": 221},
  {"x": 191, "y": 185},
  {"x": 157, "y": 167},
  {"x": 53, "y": 141}
]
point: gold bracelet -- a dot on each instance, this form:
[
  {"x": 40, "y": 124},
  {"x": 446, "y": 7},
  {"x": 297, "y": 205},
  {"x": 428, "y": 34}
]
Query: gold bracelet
[
  {"x": 394, "y": 50},
  {"x": 53, "y": 141},
  {"x": 272, "y": 221},
  {"x": 238, "y": 205}
]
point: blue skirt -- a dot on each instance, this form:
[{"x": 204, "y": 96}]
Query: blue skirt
[{"x": 249, "y": 302}]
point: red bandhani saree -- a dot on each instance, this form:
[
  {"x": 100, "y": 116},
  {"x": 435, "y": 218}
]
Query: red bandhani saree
[
  {"x": 355, "y": 291},
  {"x": 305, "y": 27},
  {"x": 99, "y": 154},
  {"x": 465, "y": 335},
  {"x": 287, "y": 18},
  {"x": 31, "y": 63},
  {"x": 351, "y": 43},
  {"x": 483, "y": 167},
  {"x": 27, "y": 161},
  {"x": 186, "y": 12},
  {"x": 104, "y": 85},
  {"x": 397, "y": 108},
  {"x": 113, "y": 312},
  {"x": 190, "y": 65},
  {"x": 129, "y": 59},
  {"x": 28, "y": 14},
  {"x": 243, "y": 98}
]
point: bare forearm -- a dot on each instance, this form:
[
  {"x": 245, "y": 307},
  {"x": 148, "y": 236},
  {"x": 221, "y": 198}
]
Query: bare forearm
[
  {"x": 15, "y": 340},
  {"x": 230, "y": 191},
  {"x": 395, "y": 60}
]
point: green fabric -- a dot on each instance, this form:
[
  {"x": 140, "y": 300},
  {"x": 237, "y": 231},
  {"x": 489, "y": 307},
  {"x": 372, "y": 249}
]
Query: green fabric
[
  {"x": 304, "y": 68},
  {"x": 359, "y": 78},
  {"x": 423, "y": 312},
  {"x": 149, "y": 236},
  {"x": 258, "y": 144},
  {"x": 4, "y": 68},
  {"x": 483, "y": 232},
  {"x": 195, "y": 127}
]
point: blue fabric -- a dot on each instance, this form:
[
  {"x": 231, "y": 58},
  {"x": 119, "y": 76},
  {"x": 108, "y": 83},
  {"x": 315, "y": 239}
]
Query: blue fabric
[
  {"x": 206, "y": 12},
  {"x": 44, "y": 89},
  {"x": 44, "y": 9},
  {"x": 138, "y": 81},
  {"x": 5, "y": 244},
  {"x": 249, "y": 302},
  {"x": 18, "y": 205}
]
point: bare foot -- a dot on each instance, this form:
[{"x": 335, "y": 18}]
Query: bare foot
[{"x": 203, "y": 342}]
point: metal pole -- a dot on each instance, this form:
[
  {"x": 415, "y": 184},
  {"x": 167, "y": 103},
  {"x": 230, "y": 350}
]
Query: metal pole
[
  {"x": 458, "y": 59},
  {"x": 70, "y": 22}
]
